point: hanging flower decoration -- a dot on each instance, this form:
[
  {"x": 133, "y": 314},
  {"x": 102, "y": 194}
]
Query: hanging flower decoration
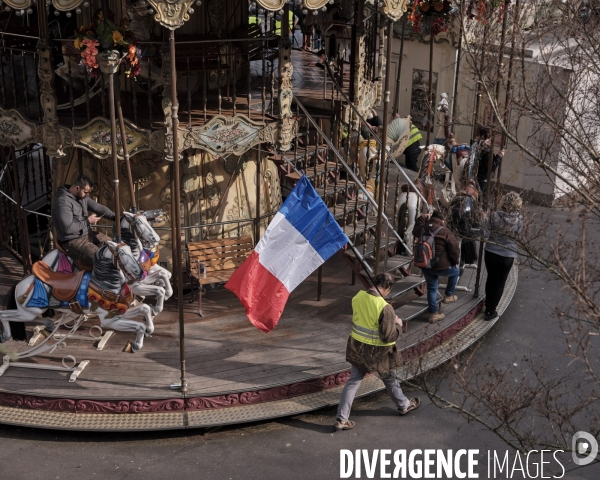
[
  {"x": 103, "y": 35},
  {"x": 437, "y": 11}
]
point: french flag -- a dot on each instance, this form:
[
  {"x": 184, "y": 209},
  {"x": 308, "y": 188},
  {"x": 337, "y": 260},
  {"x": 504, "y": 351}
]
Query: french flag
[{"x": 300, "y": 238}]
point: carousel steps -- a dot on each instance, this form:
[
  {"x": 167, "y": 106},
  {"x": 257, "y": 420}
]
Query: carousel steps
[
  {"x": 393, "y": 264},
  {"x": 415, "y": 307}
]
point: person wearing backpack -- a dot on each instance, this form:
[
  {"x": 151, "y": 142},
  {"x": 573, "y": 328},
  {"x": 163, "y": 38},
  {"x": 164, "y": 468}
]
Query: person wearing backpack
[{"x": 437, "y": 253}]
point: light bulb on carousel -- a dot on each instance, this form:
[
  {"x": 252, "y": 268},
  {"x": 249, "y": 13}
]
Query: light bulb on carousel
[
  {"x": 190, "y": 10},
  {"x": 86, "y": 4},
  {"x": 69, "y": 14},
  {"x": 29, "y": 11},
  {"x": 199, "y": 2},
  {"x": 304, "y": 11},
  {"x": 18, "y": 13}
]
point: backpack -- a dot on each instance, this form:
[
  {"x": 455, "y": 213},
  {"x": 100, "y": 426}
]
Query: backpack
[{"x": 424, "y": 253}]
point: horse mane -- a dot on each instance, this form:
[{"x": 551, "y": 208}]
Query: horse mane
[
  {"x": 105, "y": 274},
  {"x": 128, "y": 237}
]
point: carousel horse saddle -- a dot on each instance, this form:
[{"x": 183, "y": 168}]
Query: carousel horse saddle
[
  {"x": 64, "y": 285},
  {"x": 81, "y": 265}
]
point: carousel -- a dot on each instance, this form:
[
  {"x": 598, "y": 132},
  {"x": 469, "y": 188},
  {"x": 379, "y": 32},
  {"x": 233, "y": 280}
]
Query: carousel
[{"x": 194, "y": 120}]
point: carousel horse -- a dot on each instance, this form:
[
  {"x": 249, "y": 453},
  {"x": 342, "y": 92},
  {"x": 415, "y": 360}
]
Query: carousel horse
[
  {"x": 397, "y": 137},
  {"x": 104, "y": 292},
  {"x": 409, "y": 202},
  {"x": 141, "y": 238}
]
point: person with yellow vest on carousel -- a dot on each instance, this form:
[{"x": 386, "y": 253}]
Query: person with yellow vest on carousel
[
  {"x": 372, "y": 348},
  {"x": 413, "y": 148}
]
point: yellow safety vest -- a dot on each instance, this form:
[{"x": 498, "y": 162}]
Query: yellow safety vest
[
  {"x": 278, "y": 23},
  {"x": 415, "y": 135},
  {"x": 366, "y": 310}
]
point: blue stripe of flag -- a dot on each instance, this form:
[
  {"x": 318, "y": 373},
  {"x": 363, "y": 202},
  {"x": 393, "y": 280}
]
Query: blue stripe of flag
[{"x": 307, "y": 212}]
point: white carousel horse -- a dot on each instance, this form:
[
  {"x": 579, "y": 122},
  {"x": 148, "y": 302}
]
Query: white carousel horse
[
  {"x": 137, "y": 233},
  {"x": 409, "y": 202},
  {"x": 103, "y": 292},
  {"x": 397, "y": 137}
]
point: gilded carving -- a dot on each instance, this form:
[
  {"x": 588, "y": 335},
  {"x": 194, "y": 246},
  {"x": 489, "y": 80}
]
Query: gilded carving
[
  {"x": 393, "y": 9},
  {"x": 15, "y": 130},
  {"x": 171, "y": 14},
  {"x": 225, "y": 135},
  {"x": 19, "y": 4},
  {"x": 279, "y": 4},
  {"x": 95, "y": 137},
  {"x": 166, "y": 102},
  {"x": 286, "y": 70}
]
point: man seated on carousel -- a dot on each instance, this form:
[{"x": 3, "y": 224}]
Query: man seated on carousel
[{"x": 72, "y": 221}]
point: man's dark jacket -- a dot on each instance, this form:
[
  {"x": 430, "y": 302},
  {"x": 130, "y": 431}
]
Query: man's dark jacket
[
  {"x": 70, "y": 215},
  {"x": 447, "y": 249}
]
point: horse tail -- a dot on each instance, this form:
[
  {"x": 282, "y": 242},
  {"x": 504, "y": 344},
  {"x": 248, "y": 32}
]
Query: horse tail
[{"x": 17, "y": 328}]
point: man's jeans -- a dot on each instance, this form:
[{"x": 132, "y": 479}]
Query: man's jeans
[{"x": 431, "y": 278}]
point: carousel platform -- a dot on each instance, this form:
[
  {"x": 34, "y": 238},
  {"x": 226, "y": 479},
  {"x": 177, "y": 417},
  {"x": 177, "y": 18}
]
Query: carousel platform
[{"x": 236, "y": 373}]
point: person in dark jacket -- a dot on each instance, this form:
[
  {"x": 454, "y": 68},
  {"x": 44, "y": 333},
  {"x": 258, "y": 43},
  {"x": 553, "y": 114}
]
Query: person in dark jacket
[
  {"x": 447, "y": 255},
  {"x": 484, "y": 159},
  {"x": 372, "y": 349},
  {"x": 501, "y": 249},
  {"x": 72, "y": 221}
]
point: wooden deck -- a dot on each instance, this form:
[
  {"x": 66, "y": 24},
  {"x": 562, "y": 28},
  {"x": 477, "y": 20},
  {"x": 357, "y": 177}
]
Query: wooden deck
[{"x": 225, "y": 353}]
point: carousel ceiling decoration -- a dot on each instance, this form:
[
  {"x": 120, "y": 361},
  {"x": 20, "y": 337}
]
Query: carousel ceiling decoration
[
  {"x": 68, "y": 5},
  {"x": 20, "y": 5},
  {"x": 279, "y": 4},
  {"x": 225, "y": 135},
  {"x": 393, "y": 9},
  {"x": 95, "y": 137},
  {"x": 172, "y": 14}
]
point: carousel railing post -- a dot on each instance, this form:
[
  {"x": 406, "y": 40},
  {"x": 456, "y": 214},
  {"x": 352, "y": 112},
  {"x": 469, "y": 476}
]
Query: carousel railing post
[
  {"x": 21, "y": 219},
  {"x": 486, "y": 199},
  {"x": 399, "y": 69},
  {"x": 133, "y": 207},
  {"x": 430, "y": 114},
  {"x": 383, "y": 156},
  {"x": 176, "y": 200},
  {"x": 457, "y": 69},
  {"x": 109, "y": 64}
]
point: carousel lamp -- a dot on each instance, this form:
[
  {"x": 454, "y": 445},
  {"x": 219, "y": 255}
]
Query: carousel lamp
[
  {"x": 7, "y": 9},
  {"x": 261, "y": 11},
  {"x": 198, "y": 2},
  {"x": 330, "y": 2},
  {"x": 190, "y": 10},
  {"x": 270, "y": 14},
  {"x": 86, "y": 4},
  {"x": 324, "y": 9},
  {"x": 78, "y": 11},
  {"x": 29, "y": 11},
  {"x": 280, "y": 12},
  {"x": 150, "y": 11},
  {"x": 56, "y": 13},
  {"x": 315, "y": 12},
  {"x": 304, "y": 11},
  {"x": 18, "y": 13}
]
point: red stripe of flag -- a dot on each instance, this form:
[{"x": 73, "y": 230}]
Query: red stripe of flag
[{"x": 263, "y": 295}]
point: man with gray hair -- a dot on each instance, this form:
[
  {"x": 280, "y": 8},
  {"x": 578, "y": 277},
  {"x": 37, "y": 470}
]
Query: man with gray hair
[
  {"x": 372, "y": 348},
  {"x": 72, "y": 221}
]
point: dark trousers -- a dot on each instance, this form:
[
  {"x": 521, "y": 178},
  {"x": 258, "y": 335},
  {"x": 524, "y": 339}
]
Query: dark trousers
[
  {"x": 84, "y": 248},
  {"x": 411, "y": 156},
  {"x": 498, "y": 268}
]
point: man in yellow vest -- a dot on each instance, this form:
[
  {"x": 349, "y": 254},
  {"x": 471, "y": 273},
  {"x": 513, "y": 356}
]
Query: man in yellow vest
[
  {"x": 372, "y": 349},
  {"x": 413, "y": 149},
  {"x": 292, "y": 19}
]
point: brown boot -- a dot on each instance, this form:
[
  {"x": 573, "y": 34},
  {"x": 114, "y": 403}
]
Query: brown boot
[
  {"x": 436, "y": 317},
  {"x": 450, "y": 299}
]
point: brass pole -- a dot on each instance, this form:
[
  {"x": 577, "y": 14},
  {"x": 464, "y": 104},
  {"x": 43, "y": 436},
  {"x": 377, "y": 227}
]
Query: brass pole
[
  {"x": 176, "y": 199},
  {"x": 399, "y": 72},
  {"x": 126, "y": 152},
  {"x": 113, "y": 139},
  {"x": 457, "y": 70},
  {"x": 21, "y": 219},
  {"x": 486, "y": 199},
  {"x": 430, "y": 95},
  {"x": 383, "y": 156}
]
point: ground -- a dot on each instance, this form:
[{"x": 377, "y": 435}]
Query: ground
[{"x": 302, "y": 446}]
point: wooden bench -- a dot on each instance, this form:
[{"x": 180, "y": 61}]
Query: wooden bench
[{"x": 221, "y": 258}]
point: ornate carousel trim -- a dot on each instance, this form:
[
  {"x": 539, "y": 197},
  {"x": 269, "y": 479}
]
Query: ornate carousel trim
[
  {"x": 16, "y": 130},
  {"x": 95, "y": 137},
  {"x": 224, "y": 135}
]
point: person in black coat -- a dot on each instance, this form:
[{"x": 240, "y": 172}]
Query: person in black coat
[{"x": 484, "y": 159}]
